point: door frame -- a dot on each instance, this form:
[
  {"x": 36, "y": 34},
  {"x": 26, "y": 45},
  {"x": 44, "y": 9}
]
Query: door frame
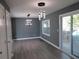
[
  {"x": 9, "y": 38},
  {"x": 5, "y": 31},
  {"x": 60, "y": 28}
]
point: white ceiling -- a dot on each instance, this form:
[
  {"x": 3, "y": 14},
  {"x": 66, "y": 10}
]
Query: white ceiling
[{"x": 20, "y": 8}]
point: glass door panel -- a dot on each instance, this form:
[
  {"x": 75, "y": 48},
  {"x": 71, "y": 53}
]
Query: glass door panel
[
  {"x": 76, "y": 34},
  {"x": 66, "y": 34}
]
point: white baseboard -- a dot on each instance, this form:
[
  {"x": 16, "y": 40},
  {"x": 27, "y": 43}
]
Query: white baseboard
[
  {"x": 50, "y": 43},
  {"x": 26, "y": 38},
  {"x": 57, "y": 47}
]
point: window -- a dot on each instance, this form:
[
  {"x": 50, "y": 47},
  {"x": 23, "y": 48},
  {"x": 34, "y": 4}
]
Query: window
[{"x": 46, "y": 27}]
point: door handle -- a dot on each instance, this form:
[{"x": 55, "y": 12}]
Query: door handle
[{"x": 7, "y": 41}]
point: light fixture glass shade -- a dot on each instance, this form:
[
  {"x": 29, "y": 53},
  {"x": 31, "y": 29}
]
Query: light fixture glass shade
[
  {"x": 44, "y": 15},
  {"x": 39, "y": 17},
  {"x": 41, "y": 14}
]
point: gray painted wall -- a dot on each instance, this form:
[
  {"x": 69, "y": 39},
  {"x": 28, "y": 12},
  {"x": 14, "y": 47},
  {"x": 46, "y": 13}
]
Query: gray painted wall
[
  {"x": 54, "y": 19},
  {"x": 20, "y": 30}
]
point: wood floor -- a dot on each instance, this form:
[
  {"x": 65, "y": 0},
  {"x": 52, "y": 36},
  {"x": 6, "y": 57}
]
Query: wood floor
[{"x": 36, "y": 49}]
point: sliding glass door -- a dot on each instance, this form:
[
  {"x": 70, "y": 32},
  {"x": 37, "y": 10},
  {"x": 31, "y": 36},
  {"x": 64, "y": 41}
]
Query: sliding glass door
[
  {"x": 69, "y": 33},
  {"x": 66, "y": 33},
  {"x": 75, "y": 34}
]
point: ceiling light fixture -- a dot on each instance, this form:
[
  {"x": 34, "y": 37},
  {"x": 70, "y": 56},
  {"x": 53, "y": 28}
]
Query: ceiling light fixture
[
  {"x": 41, "y": 4},
  {"x": 42, "y": 14}
]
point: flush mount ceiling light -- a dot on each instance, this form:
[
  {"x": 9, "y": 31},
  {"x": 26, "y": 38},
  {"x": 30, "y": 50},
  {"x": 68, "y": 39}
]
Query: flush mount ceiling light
[
  {"x": 42, "y": 14},
  {"x": 41, "y": 4},
  {"x": 28, "y": 15},
  {"x": 44, "y": 3}
]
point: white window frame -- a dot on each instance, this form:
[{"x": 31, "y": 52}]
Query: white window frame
[{"x": 48, "y": 26}]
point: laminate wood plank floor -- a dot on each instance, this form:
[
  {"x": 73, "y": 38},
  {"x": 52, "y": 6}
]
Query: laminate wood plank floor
[{"x": 36, "y": 49}]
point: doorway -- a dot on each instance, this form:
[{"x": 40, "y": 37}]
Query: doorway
[
  {"x": 5, "y": 34},
  {"x": 69, "y": 32}
]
